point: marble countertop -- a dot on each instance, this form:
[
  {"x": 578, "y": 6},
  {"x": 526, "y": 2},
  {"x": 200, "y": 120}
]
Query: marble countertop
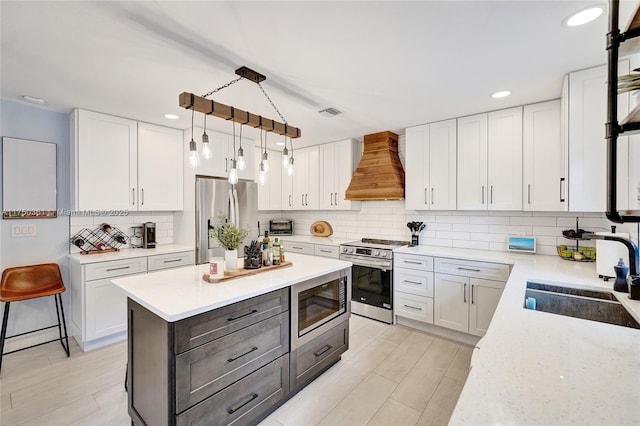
[
  {"x": 330, "y": 241},
  {"x": 539, "y": 368},
  {"x": 180, "y": 293},
  {"x": 128, "y": 253}
]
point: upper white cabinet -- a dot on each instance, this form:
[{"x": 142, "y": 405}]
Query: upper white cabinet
[
  {"x": 121, "y": 164},
  {"x": 430, "y": 180},
  {"x": 490, "y": 161},
  {"x": 338, "y": 160},
  {"x": 223, "y": 151},
  {"x": 306, "y": 172},
  {"x": 587, "y": 145},
  {"x": 270, "y": 193},
  {"x": 544, "y": 158},
  {"x": 160, "y": 168}
]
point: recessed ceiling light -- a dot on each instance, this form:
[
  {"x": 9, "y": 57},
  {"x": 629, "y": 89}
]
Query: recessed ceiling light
[
  {"x": 280, "y": 143},
  {"x": 501, "y": 94},
  {"x": 171, "y": 116},
  {"x": 33, "y": 99},
  {"x": 583, "y": 16}
]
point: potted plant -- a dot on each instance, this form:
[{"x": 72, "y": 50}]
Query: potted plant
[{"x": 230, "y": 237}]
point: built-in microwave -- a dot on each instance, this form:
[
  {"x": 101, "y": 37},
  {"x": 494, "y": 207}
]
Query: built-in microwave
[
  {"x": 281, "y": 227},
  {"x": 318, "y": 305}
]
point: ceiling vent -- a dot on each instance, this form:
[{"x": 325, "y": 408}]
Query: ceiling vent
[
  {"x": 379, "y": 175},
  {"x": 329, "y": 112}
]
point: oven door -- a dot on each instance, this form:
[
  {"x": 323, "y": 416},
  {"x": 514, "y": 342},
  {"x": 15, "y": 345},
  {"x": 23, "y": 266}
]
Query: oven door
[
  {"x": 372, "y": 283},
  {"x": 318, "y": 305}
]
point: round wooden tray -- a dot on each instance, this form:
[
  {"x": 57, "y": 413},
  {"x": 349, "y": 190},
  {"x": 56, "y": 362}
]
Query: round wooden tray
[{"x": 321, "y": 229}]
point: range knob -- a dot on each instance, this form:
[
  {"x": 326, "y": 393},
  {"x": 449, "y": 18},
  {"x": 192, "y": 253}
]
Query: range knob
[
  {"x": 376, "y": 252},
  {"x": 344, "y": 249},
  {"x": 384, "y": 254},
  {"x": 351, "y": 250}
]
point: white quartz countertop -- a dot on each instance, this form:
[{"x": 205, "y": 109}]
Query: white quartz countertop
[
  {"x": 180, "y": 293},
  {"x": 543, "y": 369},
  {"x": 330, "y": 241},
  {"x": 128, "y": 253}
]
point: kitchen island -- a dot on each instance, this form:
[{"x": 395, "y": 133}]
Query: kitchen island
[
  {"x": 202, "y": 353},
  {"x": 543, "y": 369}
]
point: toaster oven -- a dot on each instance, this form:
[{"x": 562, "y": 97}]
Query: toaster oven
[{"x": 281, "y": 227}]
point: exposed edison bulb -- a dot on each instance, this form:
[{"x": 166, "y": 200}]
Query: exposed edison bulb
[
  {"x": 285, "y": 157},
  {"x": 194, "y": 158},
  {"x": 262, "y": 176},
  {"x": 290, "y": 167},
  {"x": 241, "y": 163},
  {"x": 233, "y": 173},
  {"x": 265, "y": 161},
  {"x": 206, "y": 150}
]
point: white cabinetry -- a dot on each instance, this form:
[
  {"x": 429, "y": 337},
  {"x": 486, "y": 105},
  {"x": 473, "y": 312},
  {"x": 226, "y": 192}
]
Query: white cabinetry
[
  {"x": 306, "y": 187},
  {"x": 413, "y": 287},
  {"x": 121, "y": 164},
  {"x": 490, "y": 161},
  {"x": 98, "y": 308},
  {"x": 338, "y": 160},
  {"x": 467, "y": 294},
  {"x": 430, "y": 182},
  {"x": 544, "y": 158},
  {"x": 587, "y": 146},
  {"x": 270, "y": 193}
]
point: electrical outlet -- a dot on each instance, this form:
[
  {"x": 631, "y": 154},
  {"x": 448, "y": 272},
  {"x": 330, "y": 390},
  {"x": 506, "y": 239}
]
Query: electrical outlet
[{"x": 23, "y": 230}]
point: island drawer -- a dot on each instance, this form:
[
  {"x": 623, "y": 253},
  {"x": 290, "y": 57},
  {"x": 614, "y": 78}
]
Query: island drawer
[
  {"x": 311, "y": 359},
  {"x": 209, "y": 326},
  {"x": 412, "y": 281},
  {"x": 244, "y": 401},
  {"x": 115, "y": 268},
  {"x": 171, "y": 260},
  {"x": 413, "y": 261},
  {"x": 470, "y": 268},
  {"x": 207, "y": 369}
]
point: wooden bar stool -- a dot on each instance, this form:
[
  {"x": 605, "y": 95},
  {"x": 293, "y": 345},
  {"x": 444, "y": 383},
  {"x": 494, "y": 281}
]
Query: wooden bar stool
[{"x": 29, "y": 282}]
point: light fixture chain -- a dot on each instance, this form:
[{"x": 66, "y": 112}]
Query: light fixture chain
[
  {"x": 223, "y": 87},
  {"x": 272, "y": 104}
]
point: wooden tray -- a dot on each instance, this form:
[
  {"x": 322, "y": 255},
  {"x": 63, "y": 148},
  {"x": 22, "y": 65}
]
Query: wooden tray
[{"x": 240, "y": 273}]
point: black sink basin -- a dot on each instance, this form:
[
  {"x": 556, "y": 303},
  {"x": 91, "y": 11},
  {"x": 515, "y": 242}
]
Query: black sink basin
[{"x": 586, "y": 304}]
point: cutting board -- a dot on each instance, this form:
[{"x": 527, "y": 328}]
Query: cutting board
[{"x": 321, "y": 229}]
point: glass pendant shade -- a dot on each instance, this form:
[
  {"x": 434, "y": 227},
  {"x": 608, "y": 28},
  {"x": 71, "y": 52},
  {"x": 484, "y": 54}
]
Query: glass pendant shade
[
  {"x": 241, "y": 163},
  {"x": 262, "y": 176},
  {"x": 285, "y": 157},
  {"x": 194, "y": 158},
  {"x": 265, "y": 161},
  {"x": 233, "y": 173},
  {"x": 290, "y": 168},
  {"x": 206, "y": 149}
]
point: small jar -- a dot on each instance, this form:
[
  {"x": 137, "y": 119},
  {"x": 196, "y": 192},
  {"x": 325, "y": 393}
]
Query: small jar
[{"x": 216, "y": 268}]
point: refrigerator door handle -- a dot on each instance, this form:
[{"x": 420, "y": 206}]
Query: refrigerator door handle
[
  {"x": 232, "y": 208},
  {"x": 236, "y": 206}
]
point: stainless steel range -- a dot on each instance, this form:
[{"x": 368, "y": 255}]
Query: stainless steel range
[{"x": 371, "y": 276}]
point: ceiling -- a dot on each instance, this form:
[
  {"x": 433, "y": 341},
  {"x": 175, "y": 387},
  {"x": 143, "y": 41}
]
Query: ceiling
[{"x": 385, "y": 65}]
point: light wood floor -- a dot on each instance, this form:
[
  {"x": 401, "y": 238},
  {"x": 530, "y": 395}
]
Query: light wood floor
[{"x": 391, "y": 375}]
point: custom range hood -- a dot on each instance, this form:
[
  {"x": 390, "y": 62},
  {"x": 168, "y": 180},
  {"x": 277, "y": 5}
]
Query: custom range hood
[{"x": 379, "y": 175}]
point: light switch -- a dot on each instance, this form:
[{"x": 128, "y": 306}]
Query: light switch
[{"x": 23, "y": 230}]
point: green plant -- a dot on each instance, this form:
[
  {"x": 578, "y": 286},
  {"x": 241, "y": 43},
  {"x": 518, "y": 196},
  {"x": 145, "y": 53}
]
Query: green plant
[{"x": 229, "y": 236}]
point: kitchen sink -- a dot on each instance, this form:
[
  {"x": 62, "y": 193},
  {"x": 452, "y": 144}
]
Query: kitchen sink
[{"x": 586, "y": 304}]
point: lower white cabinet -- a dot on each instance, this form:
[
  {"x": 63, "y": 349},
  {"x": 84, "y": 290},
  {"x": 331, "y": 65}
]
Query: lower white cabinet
[
  {"x": 463, "y": 301},
  {"x": 413, "y": 287},
  {"x": 324, "y": 250},
  {"x": 98, "y": 308}
]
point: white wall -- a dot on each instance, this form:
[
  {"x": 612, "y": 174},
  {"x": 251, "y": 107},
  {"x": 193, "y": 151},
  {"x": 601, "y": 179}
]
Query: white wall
[{"x": 51, "y": 242}]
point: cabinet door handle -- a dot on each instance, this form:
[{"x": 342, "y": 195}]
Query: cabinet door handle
[
  {"x": 232, "y": 410},
  {"x": 302, "y": 199},
  {"x": 482, "y": 192},
  {"x": 529, "y": 193},
  {"x": 472, "y": 286},
  {"x": 464, "y": 293},
  {"x": 562, "y": 199},
  {"x": 289, "y": 200},
  {"x": 425, "y": 196},
  {"x": 133, "y": 196},
  {"x": 226, "y": 160},
  {"x": 172, "y": 260},
  {"x": 118, "y": 269},
  {"x": 491, "y": 199},
  {"x": 468, "y": 269},
  {"x": 255, "y": 348},
  {"x": 142, "y": 196},
  {"x": 412, "y": 307},
  {"x": 412, "y": 282},
  {"x": 243, "y": 315},
  {"x": 324, "y": 350},
  {"x": 336, "y": 198},
  {"x": 306, "y": 199},
  {"x": 431, "y": 195}
]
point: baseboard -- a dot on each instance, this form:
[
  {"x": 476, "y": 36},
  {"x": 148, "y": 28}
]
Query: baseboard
[
  {"x": 465, "y": 338},
  {"x": 104, "y": 341}
]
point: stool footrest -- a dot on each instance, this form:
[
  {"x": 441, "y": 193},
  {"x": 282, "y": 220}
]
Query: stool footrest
[
  {"x": 33, "y": 331},
  {"x": 37, "y": 344}
]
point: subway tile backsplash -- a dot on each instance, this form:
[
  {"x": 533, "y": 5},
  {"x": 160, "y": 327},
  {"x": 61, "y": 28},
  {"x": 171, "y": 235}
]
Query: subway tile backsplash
[{"x": 477, "y": 230}]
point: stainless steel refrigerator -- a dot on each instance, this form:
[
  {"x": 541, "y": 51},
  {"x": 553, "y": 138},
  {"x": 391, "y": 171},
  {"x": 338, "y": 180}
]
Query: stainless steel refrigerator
[{"x": 238, "y": 202}]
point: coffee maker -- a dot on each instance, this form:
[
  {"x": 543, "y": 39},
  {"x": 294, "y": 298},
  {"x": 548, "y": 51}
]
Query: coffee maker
[{"x": 149, "y": 235}]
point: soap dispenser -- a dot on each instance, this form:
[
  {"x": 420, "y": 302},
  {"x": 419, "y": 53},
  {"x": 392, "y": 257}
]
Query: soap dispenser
[{"x": 621, "y": 277}]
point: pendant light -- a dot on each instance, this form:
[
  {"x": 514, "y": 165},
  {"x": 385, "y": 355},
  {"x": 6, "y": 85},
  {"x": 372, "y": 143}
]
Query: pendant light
[
  {"x": 233, "y": 171},
  {"x": 241, "y": 163},
  {"x": 265, "y": 156},
  {"x": 285, "y": 154},
  {"x": 206, "y": 149},
  {"x": 194, "y": 158},
  {"x": 262, "y": 174},
  {"x": 290, "y": 164}
]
